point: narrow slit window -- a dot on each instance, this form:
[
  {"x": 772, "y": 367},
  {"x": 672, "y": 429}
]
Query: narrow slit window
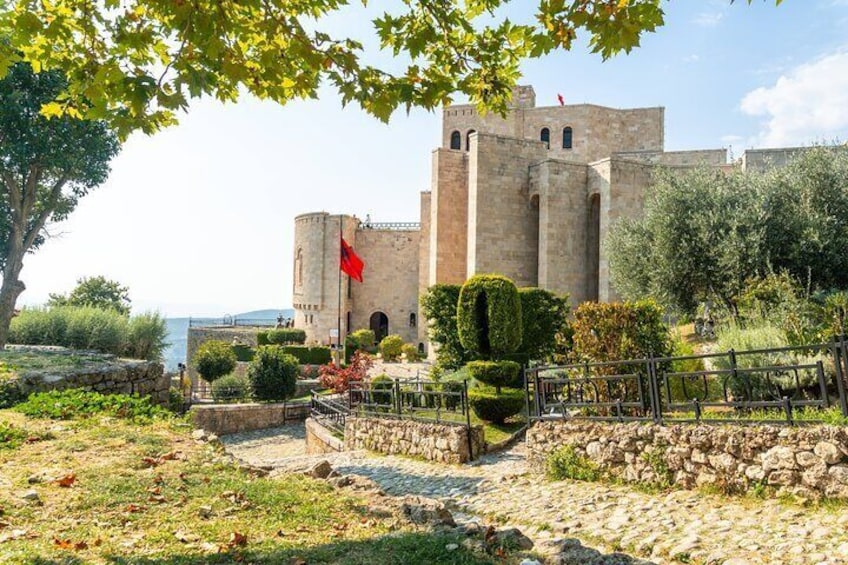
[
  {"x": 546, "y": 137},
  {"x": 456, "y": 140},
  {"x": 566, "y": 138}
]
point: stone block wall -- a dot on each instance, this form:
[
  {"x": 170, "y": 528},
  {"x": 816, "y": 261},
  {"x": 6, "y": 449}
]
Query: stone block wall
[
  {"x": 806, "y": 461},
  {"x": 106, "y": 374},
  {"x": 443, "y": 443},
  {"x": 320, "y": 440},
  {"x": 234, "y": 418}
]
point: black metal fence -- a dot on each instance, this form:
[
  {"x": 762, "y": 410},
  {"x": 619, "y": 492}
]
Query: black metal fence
[
  {"x": 230, "y": 322},
  {"x": 413, "y": 399},
  {"x": 785, "y": 385}
]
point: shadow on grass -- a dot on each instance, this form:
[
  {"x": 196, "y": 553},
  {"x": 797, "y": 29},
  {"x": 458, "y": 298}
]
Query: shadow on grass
[{"x": 404, "y": 549}]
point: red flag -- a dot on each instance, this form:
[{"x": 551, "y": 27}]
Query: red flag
[
  {"x": 561, "y": 100},
  {"x": 350, "y": 262}
]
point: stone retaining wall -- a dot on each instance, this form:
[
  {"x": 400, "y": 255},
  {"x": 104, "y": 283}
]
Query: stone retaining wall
[
  {"x": 101, "y": 373},
  {"x": 806, "y": 461},
  {"x": 320, "y": 440},
  {"x": 443, "y": 443},
  {"x": 234, "y": 418}
]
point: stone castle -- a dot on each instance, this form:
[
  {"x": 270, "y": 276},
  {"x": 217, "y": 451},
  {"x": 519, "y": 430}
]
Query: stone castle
[{"x": 530, "y": 195}]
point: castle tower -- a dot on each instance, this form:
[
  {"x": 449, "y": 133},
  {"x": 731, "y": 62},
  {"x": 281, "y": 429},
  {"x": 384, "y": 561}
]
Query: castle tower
[{"x": 315, "y": 292}]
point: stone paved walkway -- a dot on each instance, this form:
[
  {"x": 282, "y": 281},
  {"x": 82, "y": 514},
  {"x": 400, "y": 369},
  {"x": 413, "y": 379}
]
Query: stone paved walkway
[{"x": 667, "y": 528}]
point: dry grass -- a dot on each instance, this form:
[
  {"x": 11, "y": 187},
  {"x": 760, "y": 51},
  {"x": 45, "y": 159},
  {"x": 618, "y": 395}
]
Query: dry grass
[{"x": 150, "y": 494}]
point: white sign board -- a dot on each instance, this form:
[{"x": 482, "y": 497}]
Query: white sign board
[{"x": 334, "y": 332}]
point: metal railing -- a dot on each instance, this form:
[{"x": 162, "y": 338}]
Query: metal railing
[
  {"x": 230, "y": 321},
  {"x": 331, "y": 410},
  {"x": 786, "y": 385},
  {"x": 390, "y": 226}
]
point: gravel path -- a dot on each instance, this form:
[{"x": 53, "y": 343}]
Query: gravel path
[{"x": 675, "y": 527}]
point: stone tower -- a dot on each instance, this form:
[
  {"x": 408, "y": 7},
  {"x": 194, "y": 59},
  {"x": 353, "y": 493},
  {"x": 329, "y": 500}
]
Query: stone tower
[{"x": 315, "y": 289}]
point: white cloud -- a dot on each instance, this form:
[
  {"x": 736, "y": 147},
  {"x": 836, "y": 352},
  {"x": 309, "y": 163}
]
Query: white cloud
[
  {"x": 694, "y": 58},
  {"x": 808, "y": 103},
  {"x": 708, "y": 19}
]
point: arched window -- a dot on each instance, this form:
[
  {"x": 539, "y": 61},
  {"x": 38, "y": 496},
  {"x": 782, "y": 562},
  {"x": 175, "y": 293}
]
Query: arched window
[
  {"x": 413, "y": 319},
  {"x": 546, "y": 137},
  {"x": 456, "y": 140},
  {"x": 379, "y": 324},
  {"x": 566, "y": 137},
  {"x": 468, "y": 139}
]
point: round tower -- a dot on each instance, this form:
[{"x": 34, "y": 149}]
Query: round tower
[{"x": 315, "y": 292}]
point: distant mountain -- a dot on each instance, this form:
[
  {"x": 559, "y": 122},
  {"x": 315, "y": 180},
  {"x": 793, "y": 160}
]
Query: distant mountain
[{"x": 269, "y": 314}]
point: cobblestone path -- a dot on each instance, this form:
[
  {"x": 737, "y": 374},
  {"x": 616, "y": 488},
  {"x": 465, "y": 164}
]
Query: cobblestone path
[{"x": 666, "y": 528}]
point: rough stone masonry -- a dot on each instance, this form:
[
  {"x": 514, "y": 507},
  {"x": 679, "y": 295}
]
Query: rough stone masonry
[{"x": 807, "y": 461}]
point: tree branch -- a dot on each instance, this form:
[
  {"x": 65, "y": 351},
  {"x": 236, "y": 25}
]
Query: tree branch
[{"x": 49, "y": 207}]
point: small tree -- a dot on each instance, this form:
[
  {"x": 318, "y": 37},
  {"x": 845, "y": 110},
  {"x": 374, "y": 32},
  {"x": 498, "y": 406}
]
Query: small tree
[
  {"x": 46, "y": 166},
  {"x": 272, "y": 374},
  {"x": 543, "y": 316},
  {"x": 98, "y": 292},
  {"x": 338, "y": 379},
  {"x": 391, "y": 347},
  {"x": 439, "y": 306},
  {"x": 214, "y": 359}
]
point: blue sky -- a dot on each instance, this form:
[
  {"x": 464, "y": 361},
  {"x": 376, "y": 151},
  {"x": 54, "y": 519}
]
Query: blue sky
[{"x": 198, "y": 219}]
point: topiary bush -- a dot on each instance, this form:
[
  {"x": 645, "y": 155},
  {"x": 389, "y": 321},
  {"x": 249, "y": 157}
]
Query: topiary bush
[
  {"x": 244, "y": 353},
  {"x": 543, "y": 315},
  {"x": 214, "y": 359},
  {"x": 491, "y": 406},
  {"x": 272, "y": 374},
  {"x": 284, "y": 336},
  {"x": 361, "y": 339},
  {"x": 230, "y": 388},
  {"x": 381, "y": 387},
  {"x": 489, "y": 316},
  {"x": 411, "y": 352},
  {"x": 391, "y": 347},
  {"x": 496, "y": 373}
]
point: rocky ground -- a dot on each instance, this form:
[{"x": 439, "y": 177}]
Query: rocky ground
[{"x": 566, "y": 519}]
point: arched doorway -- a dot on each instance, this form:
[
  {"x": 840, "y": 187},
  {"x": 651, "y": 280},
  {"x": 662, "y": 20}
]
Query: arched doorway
[
  {"x": 594, "y": 247},
  {"x": 379, "y": 324}
]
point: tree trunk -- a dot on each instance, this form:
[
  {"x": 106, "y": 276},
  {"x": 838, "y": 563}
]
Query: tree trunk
[{"x": 9, "y": 292}]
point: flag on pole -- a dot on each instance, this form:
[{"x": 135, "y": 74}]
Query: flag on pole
[
  {"x": 561, "y": 100},
  {"x": 350, "y": 262}
]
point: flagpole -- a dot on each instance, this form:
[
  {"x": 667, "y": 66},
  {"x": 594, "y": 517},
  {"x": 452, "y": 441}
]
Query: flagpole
[{"x": 339, "y": 319}]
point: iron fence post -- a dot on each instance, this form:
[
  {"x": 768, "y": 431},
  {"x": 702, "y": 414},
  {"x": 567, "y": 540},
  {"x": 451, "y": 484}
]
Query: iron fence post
[
  {"x": 464, "y": 400},
  {"x": 536, "y": 393},
  {"x": 787, "y": 407},
  {"x": 653, "y": 385},
  {"x": 397, "y": 397},
  {"x": 526, "y": 394},
  {"x": 838, "y": 360}
]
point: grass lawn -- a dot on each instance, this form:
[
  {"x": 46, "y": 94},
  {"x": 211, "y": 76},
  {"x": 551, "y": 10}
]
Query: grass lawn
[
  {"x": 21, "y": 361},
  {"x": 115, "y": 492}
]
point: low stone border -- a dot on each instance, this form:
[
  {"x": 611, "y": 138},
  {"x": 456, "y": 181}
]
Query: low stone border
[
  {"x": 320, "y": 440},
  {"x": 234, "y": 418},
  {"x": 809, "y": 461},
  {"x": 443, "y": 443},
  {"x": 508, "y": 442}
]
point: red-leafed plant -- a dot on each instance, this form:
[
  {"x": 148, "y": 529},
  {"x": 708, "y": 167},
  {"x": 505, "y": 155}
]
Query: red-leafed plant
[{"x": 338, "y": 379}]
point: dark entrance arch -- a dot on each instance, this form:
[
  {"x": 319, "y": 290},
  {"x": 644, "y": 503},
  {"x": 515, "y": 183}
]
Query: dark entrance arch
[{"x": 379, "y": 324}]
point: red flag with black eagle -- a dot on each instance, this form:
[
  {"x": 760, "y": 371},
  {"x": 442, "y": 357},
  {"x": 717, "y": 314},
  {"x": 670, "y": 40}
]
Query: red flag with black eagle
[{"x": 350, "y": 262}]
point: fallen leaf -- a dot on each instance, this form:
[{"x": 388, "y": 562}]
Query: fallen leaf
[
  {"x": 66, "y": 481},
  {"x": 151, "y": 461},
  {"x": 186, "y": 537},
  {"x": 98, "y": 542},
  {"x": 63, "y": 543},
  {"x": 170, "y": 456},
  {"x": 134, "y": 508},
  {"x": 32, "y": 439},
  {"x": 155, "y": 490},
  {"x": 237, "y": 540},
  {"x": 80, "y": 545},
  {"x": 156, "y": 499}
]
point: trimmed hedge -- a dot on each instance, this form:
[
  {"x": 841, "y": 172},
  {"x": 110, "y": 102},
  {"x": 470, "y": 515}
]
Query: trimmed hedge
[
  {"x": 262, "y": 338},
  {"x": 491, "y": 406},
  {"x": 272, "y": 374},
  {"x": 391, "y": 347},
  {"x": 284, "y": 336},
  {"x": 214, "y": 359},
  {"x": 543, "y": 314},
  {"x": 496, "y": 373},
  {"x": 244, "y": 353},
  {"x": 381, "y": 385},
  {"x": 489, "y": 316},
  {"x": 317, "y": 355}
]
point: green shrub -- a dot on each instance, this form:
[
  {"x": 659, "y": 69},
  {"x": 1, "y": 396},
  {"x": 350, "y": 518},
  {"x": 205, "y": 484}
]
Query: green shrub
[
  {"x": 284, "y": 336},
  {"x": 262, "y": 338},
  {"x": 491, "y": 406},
  {"x": 146, "y": 337},
  {"x": 694, "y": 386},
  {"x": 10, "y": 389},
  {"x": 489, "y": 316},
  {"x": 244, "y": 353},
  {"x": 566, "y": 463},
  {"x": 272, "y": 374},
  {"x": 391, "y": 347},
  {"x": 317, "y": 355},
  {"x": 214, "y": 359},
  {"x": 230, "y": 388},
  {"x": 86, "y": 327},
  {"x": 176, "y": 400},
  {"x": 78, "y": 404},
  {"x": 381, "y": 385},
  {"x": 12, "y": 436},
  {"x": 496, "y": 373},
  {"x": 439, "y": 307},
  {"x": 361, "y": 339},
  {"x": 411, "y": 352},
  {"x": 543, "y": 315}
]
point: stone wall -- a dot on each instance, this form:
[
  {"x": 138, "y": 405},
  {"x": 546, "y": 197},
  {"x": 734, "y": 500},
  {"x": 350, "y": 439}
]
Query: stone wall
[
  {"x": 448, "y": 221},
  {"x": 320, "y": 440},
  {"x": 101, "y": 373},
  {"x": 806, "y": 461},
  {"x": 443, "y": 443},
  {"x": 234, "y": 418}
]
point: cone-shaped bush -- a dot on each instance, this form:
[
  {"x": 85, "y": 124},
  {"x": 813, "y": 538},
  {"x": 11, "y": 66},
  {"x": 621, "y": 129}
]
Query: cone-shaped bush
[
  {"x": 496, "y": 373},
  {"x": 489, "y": 316},
  {"x": 491, "y": 406}
]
